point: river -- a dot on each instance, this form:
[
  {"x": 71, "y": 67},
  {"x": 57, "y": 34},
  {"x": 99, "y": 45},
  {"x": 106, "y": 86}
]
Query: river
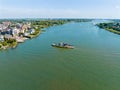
[{"x": 94, "y": 64}]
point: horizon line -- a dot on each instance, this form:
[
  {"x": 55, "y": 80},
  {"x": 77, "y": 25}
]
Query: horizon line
[{"x": 55, "y": 18}]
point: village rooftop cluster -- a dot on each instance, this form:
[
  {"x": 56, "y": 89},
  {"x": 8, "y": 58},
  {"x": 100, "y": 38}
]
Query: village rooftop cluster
[{"x": 17, "y": 31}]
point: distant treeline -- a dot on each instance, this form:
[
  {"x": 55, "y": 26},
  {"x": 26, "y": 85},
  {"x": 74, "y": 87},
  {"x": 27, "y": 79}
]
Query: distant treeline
[{"x": 43, "y": 20}]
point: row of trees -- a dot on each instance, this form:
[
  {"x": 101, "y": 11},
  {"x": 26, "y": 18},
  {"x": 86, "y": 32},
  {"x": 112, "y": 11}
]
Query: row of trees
[
  {"x": 51, "y": 22},
  {"x": 8, "y": 42},
  {"x": 47, "y": 23}
]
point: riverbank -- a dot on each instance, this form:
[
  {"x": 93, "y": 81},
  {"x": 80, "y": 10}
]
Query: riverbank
[
  {"x": 37, "y": 33},
  {"x": 13, "y": 43},
  {"x": 6, "y": 44},
  {"x": 113, "y": 27},
  {"x": 113, "y": 31}
]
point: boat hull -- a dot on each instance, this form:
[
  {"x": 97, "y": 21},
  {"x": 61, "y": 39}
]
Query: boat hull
[{"x": 67, "y": 46}]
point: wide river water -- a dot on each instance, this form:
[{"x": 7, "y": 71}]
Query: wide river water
[{"x": 94, "y": 64}]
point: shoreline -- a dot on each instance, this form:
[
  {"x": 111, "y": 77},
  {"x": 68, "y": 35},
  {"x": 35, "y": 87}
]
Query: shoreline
[
  {"x": 113, "y": 31},
  {"x": 111, "y": 27},
  {"x": 21, "y": 40}
]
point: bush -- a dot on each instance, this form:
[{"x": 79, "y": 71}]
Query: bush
[
  {"x": 11, "y": 41},
  {"x": 4, "y": 43},
  {"x": 0, "y": 46}
]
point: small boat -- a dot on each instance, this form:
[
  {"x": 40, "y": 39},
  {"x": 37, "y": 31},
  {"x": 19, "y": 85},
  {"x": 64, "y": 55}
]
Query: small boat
[{"x": 62, "y": 45}]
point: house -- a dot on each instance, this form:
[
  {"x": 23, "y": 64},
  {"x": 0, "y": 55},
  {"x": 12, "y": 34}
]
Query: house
[
  {"x": 28, "y": 24},
  {"x": 8, "y": 36},
  {"x": 18, "y": 25},
  {"x": 23, "y": 28},
  {"x": 15, "y": 31},
  {"x": 26, "y": 34},
  {"x": 1, "y": 38},
  {"x": 31, "y": 31},
  {"x": 6, "y": 23}
]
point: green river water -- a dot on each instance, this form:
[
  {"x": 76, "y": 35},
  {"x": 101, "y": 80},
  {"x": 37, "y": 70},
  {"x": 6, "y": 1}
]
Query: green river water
[{"x": 94, "y": 64}]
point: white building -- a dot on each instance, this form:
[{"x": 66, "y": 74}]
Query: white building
[
  {"x": 31, "y": 31},
  {"x": 15, "y": 31},
  {"x": 1, "y": 38}
]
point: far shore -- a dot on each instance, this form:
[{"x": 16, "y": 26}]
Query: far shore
[{"x": 113, "y": 27}]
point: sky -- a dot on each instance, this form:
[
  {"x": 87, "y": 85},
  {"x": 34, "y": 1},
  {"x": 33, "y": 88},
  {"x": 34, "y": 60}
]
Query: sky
[{"x": 60, "y": 9}]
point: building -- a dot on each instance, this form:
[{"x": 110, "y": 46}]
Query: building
[
  {"x": 26, "y": 34},
  {"x": 15, "y": 31},
  {"x": 8, "y": 36},
  {"x": 31, "y": 31},
  {"x": 23, "y": 28},
  {"x": 1, "y": 38}
]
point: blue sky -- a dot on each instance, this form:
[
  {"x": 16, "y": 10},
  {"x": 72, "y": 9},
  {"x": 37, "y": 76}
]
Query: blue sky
[{"x": 60, "y": 9}]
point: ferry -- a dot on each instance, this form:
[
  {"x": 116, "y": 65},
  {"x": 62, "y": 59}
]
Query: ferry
[{"x": 62, "y": 45}]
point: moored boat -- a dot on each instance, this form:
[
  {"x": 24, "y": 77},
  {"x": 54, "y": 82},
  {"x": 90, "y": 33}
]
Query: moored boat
[{"x": 62, "y": 45}]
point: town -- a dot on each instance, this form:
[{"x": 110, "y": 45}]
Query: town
[{"x": 12, "y": 33}]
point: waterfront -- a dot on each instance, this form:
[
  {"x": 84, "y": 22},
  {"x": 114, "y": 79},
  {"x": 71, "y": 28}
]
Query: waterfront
[{"x": 94, "y": 64}]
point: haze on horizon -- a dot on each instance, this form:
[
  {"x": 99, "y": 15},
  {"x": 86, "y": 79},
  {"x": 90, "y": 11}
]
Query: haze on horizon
[{"x": 60, "y": 9}]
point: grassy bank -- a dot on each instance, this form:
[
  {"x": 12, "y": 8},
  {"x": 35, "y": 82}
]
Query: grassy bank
[
  {"x": 11, "y": 43},
  {"x": 113, "y": 27},
  {"x": 113, "y": 31},
  {"x": 37, "y": 33}
]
